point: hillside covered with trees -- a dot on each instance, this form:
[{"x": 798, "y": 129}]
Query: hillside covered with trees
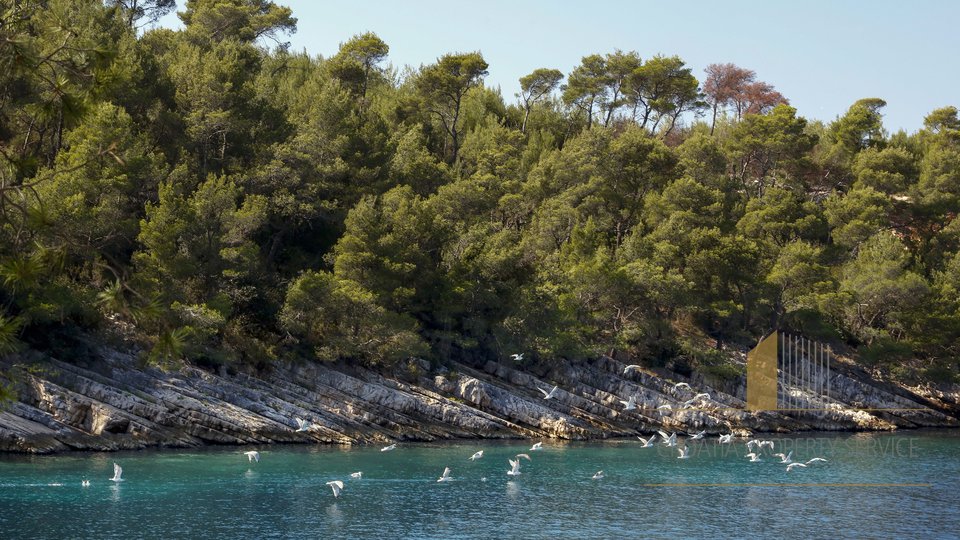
[{"x": 208, "y": 196}]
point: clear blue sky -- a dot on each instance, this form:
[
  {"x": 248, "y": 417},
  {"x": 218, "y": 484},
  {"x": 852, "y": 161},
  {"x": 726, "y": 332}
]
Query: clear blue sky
[{"x": 822, "y": 55}]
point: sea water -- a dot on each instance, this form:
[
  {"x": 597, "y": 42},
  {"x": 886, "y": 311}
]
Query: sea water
[{"x": 881, "y": 485}]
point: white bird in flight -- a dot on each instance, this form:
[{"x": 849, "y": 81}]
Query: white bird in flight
[
  {"x": 337, "y": 487},
  {"x": 514, "y": 467},
  {"x": 117, "y": 471},
  {"x": 517, "y": 357},
  {"x": 753, "y": 442},
  {"x": 784, "y": 459},
  {"x": 695, "y": 399},
  {"x": 524, "y": 456},
  {"x": 358, "y": 475},
  {"x": 536, "y": 446},
  {"x": 697, "y": 436},
  {"x": 446, "y": 475},
  {"x": 253, "y": 455},
  {"x": 648, "y": 443},
  {"x": 631, "y": 368},
  {"x": 631, "y": 404},
  {"x": 548, "y": 395},
  {"x": 476, "y": 455},
  {"x": 85, "y": 483},
  {"x": 816, "y": 459},
  {"x": 389, "y": 448},
  {"x": 725, "y": 439},
  {"x": 680, "y": 385},
  {"x": 791, "y": 466},
  {"x": 598, "y": 475},
  {"x": 684, "y": 453},
  {"x": 303, "y": 425},
  {"x": 768, "y": 444},
  {"x": 754, "y": 457},
  {"x": 669, "y": 440}
]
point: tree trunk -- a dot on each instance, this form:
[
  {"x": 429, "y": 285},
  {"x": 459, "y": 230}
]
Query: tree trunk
[{"x": 713, "y": 124}]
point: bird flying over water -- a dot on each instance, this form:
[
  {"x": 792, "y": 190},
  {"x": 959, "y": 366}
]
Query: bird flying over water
[
  {"x": 337, "y": 487},
  {"x": 816, "y": 459},
  {"x": 631, "y": 404},
  {"x": 648, "y": 443},
  {"x": 517, "y": 357},
  {"x": 514, "y": 467},
  {"x": 669, "y": 440},
  {"x": 598, "y": 475},
  {"x": 358, "y": 475},
  {"x": 754, "y": 457},
  {"x": 85, "y": 483},
  {"x": 697, "y": 436},
  {"x": 303, "y": 425},
  {"x": 548, "y": 395},
  {"x": 445, "y": 477},
  {"x": 117, "y": 471},
  {"x": 784, "y": 459},
  {"x": 476, "y": 455},
  {"x": 792, "y": 466},
  {"x": 524, "y": 456},
  {"x": 253, "y": 455},
  {"x": 389, "y": 448},
  {"x": 536, "y": 446},
  {"x": 725, "y": 439},
  {"x": 684, "y": 453}
]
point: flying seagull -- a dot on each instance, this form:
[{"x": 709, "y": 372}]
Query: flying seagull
[
  {"x": 695, "y": 399},
  {"x": 389, "y": 448},
  {"x": 680, "y": 385},
  {"x": 630, "y": 405},
  {"x": 784, "y": 459},
  {"x": 514, "y": 467},
  {"x": 697, "y": 436},
  {"x": 446, "y": 475},
  {"x": 117, "y": 471},
  {"x": 85, "y": 483},
  {"x": 752, "y": 443},
  {"x": 358, "y": 475},
  {"x": 337, "y": 487},
  {"x": 303, "y": 425},
  {"x": 669, "y": 440},
  {"x": 816, "y": 459},
  {"x": 598, "y": 475},
  {"x": 477, "y": 455},
  {"x": 791, "y": 466},
  {"x": 253, "y": 455},
  {"x": 754, "y": 457},
  {"x": 548, "y": 395},
  {"x": 684, "y": 453},
  {"x": 524, "y": 456},
  {"x": 648, "y": 443},
  {"x": 517, "y": 357},
  {"x": 630, "y": 369},
  {"x": 725, "y": 439},
  {"x": 536, "y": 446}
]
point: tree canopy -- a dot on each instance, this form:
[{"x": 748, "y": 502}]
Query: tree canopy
[{"x": 208, "y": 196}]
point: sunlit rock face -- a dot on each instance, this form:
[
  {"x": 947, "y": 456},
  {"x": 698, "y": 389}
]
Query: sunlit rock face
[{"x": 112, "y": 404}]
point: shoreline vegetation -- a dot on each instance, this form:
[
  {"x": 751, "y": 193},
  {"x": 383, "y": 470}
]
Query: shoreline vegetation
[{"x": 366, "y": 245}]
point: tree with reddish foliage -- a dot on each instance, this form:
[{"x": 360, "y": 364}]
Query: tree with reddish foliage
[{"x": 731, "y": 85}]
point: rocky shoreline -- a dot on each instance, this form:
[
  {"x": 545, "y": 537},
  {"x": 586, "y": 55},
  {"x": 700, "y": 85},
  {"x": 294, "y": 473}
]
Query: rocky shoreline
[{"x": 112, "y": 404}]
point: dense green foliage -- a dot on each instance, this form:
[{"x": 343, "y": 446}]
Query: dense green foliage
[{"x": 219, "y": 199}]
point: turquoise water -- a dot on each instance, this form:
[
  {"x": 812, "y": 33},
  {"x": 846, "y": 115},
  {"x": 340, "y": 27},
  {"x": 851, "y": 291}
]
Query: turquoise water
[{"x": 216, "y": 493}]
